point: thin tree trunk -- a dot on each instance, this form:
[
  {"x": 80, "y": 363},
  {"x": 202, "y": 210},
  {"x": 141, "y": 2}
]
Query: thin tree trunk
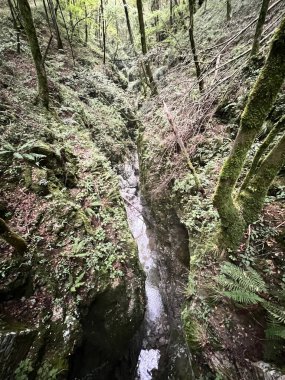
[
  {"x": 170, "y": 12},
  {"x": 193, "y": 46},
  {"x": 155, "y": 7},
  {"x": 18, "y": 42},
  {"x": 259, "y": 103},
  {"x": 16, "y": 26},
  {"x": 67, "y": 33},
  {"x": 12, "y": 238},
  {"x": 55, "y": 24},
  {"x": 229, "y": 10},
  {"x": 70, "y": 15},
  {"x": 128, "y": 23},
  {"x": 104, "y": 41},
  {"x": 30, "y": 30},
  {"x": 86, "y": 25},
  {"x": 17, "y": 14},
  {"x": 12, "y": 11},
  {"x": 47, "y": 48},
  {"x": 144, "y": 47},
  {"x": 259, "y": 27},
  {"x": 103, "y": 31},
  {"x": 47, "y": 16}
]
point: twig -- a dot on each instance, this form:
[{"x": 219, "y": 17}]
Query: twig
[
  {"x": 47, "y": 49},
  {"x": 181, "y": 144}
]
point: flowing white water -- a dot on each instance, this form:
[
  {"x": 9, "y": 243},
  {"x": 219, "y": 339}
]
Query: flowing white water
[{"x": 155, "y": 318}]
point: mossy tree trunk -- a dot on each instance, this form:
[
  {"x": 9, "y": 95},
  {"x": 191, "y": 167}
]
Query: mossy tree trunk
[
  {"x": 259, "y": 27},
  {"x": 30, "y": 30},
  {"x": 193, "y": 45},
  {"x": 252, "y": 198},
  {"x": 259, "y": 103},
  {"x": 277, "y": 128},
  {"x": 147, "y": 68},
  {"x": 12, "y": 237}
]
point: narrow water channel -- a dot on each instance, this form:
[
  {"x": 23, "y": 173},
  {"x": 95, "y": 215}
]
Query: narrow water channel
[{"x": 154, "y": 361}]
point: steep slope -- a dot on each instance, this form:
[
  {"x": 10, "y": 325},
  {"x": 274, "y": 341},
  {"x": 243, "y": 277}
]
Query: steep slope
[
  {"x": 71, "y": 304},
  {"x": 231, "y": 327}
]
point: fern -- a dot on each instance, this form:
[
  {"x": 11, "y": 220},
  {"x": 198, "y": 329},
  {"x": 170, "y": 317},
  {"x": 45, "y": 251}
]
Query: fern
[
  {"x": 227, "y": 283},
  {"x": 249, "y": 280},
  {"x": 275, "y": 331},
  {"x": 243, "y": 296},
  {"x": 232, "y": 271},
  {"x": 257, "y": 280},
  {"x": 277, "y": 312}
]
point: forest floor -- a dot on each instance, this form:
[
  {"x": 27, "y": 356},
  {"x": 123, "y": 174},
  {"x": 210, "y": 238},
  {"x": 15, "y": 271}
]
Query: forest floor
[{"x": 60, "y": 191}]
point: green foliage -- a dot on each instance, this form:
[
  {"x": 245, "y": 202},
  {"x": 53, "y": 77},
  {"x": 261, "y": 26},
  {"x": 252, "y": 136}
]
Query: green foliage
[
  {"x": 49, "y": 371},
  {"x": 247, "y": 287},
  {"x": 23, "y": 370},
  {"x": 277, "y": 312},
  {"x": 247, "y": 279},
  {"x": 21, "y": 152},
  {"x": 77, "y": 283},
  {"x": 242, "y": 296},
  {"x": 275, "y": 331},
  {"x": 240, "y": 285},
  {"x": 196, "y": 331}
]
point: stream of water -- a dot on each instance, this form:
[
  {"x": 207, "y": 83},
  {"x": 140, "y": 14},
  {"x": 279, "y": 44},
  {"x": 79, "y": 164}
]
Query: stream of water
[{"x": 157, "y": 330}]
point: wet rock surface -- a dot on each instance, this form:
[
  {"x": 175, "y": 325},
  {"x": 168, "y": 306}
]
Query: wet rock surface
[{"x": 164, "y": 354}]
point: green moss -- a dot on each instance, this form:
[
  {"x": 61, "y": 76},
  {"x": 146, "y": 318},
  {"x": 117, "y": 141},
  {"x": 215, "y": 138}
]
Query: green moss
[{"x": 257, "y": 108}]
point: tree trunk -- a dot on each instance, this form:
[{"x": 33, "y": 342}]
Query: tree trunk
[
  {"x": 257, "y": 108},
  {"x": 67, "y": 33},
  {"x": 259, "y": 27},
  {"x": 278, "y": 127},
  {"x": 193, "y": 46},
  {"x": 103, "y": 31},
  {"x": 70, "y": 16},
  {"x": 128, "y": 23},
  {"x": 229, "y": 10},
  {"x": 252, "y": 198},
  {"x": 30, "y": 30},
  {"x": 170, "y": 12},
  {"x": 155, "y": 7},
  {"x": 47, "y": 16},
  {"x": 144, "y": 47},
  {"x": 55, "y": 24},
  {"x": 15, "y": 24},
  {"x": 12, "y": 11},
  {"x": 12, "y": 238},
  {"x": 86, "y": 25}
]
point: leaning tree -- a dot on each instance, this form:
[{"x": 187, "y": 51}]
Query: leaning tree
[{"x": 238, "y": 207}]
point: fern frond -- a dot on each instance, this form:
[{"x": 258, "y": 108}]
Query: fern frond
[
  {"x": 277, "y": 312},
  {"x": 243, "y": 297},
  {"x": 249, "y": 280},
  {"x": 275, "y": 331},
  {"x": 257, "y": 281},
  {"x": 227, "y": 283},
  {"x": 232, "y": 271}
]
